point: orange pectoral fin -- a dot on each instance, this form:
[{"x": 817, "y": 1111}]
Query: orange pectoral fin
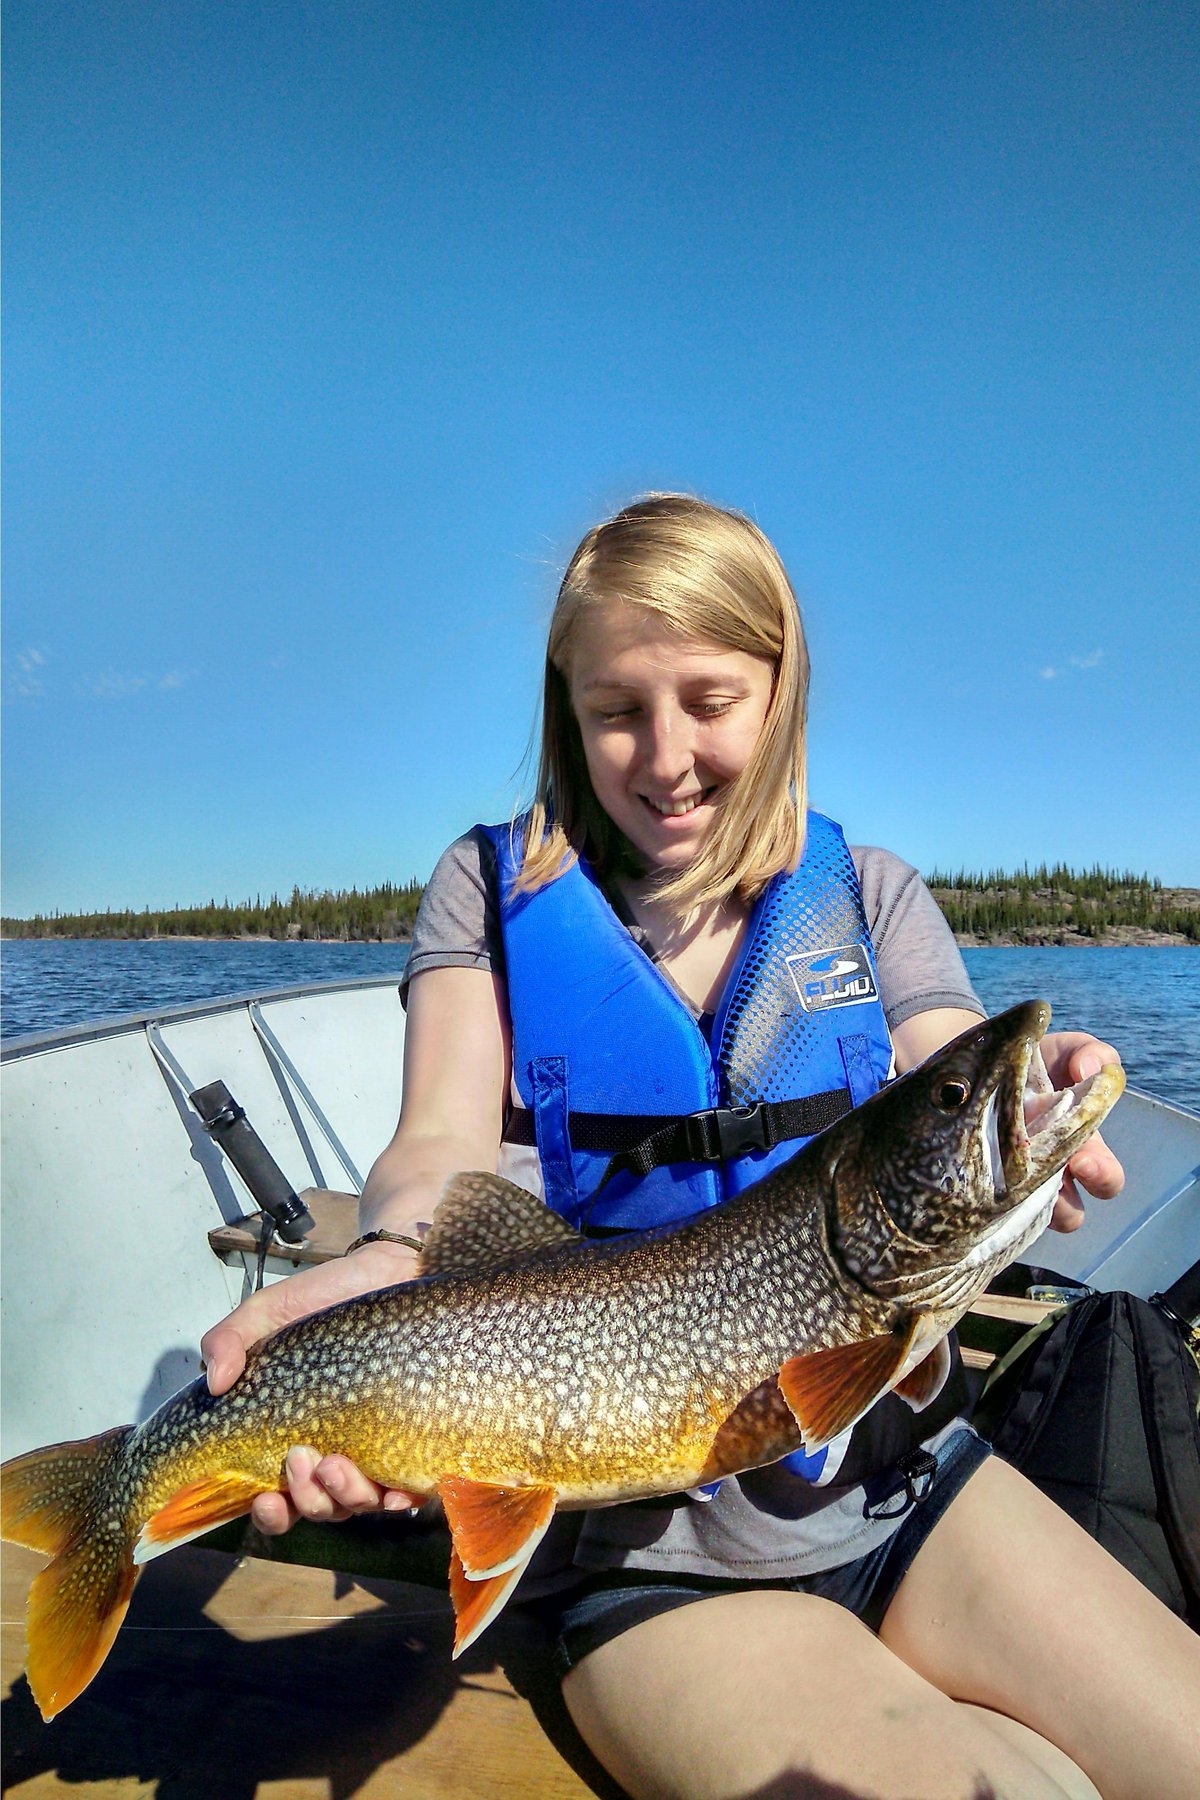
[
  {"x": 829, "y": 1390},
  {"x": 495, "y": 1529},
  {"x": 195, "y": 1509},
  {"x": 922, "y": 1385}
]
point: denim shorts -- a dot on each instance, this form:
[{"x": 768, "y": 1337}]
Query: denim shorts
[{"x": 612, "y": 1602}]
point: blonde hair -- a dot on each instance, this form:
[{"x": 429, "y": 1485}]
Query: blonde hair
[{"x": 710, "y": 575}]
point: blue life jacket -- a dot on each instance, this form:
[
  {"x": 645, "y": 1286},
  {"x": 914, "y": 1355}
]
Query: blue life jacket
[
  {"x": 599, "y": 1031},
  {"x": 603, "y": 1046}
]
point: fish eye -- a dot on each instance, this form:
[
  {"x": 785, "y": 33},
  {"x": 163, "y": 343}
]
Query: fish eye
[{"x": 951, "y": 1093}]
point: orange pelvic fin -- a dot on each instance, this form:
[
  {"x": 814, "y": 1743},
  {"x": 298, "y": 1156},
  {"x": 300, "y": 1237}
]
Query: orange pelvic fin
[
  {"x": 58, "y": 1500},
  {"x": 195, "y": 1509},
  {"x": 483, "y": 1222},
  {"x": 494, "y": 1529},
  {"x": 477, "y": 1603},
  {"x": 829, "y": 1390},
  {"x": 922, "y": 1385}
]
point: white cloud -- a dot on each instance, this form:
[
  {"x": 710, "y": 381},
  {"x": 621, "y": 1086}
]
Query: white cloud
[
  {"x": 109, "y": 685},
  {"x": 1090, "y": 661},
  {"x": 27, "y": 683},
  {"x": 114, "y": 684}
]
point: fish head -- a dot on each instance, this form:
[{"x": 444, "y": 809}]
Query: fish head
[{"x": 959, "y": 1160}]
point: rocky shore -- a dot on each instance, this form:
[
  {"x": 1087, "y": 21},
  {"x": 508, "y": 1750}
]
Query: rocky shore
[
  {"x": 1125, "y": 935},
  {"x": 987, "y": 917}
]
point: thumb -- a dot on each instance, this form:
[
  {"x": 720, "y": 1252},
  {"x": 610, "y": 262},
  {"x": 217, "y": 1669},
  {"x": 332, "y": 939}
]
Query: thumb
[
  {"x": 224, "y": 1346},
  {"x": 224, "y": 1353}
]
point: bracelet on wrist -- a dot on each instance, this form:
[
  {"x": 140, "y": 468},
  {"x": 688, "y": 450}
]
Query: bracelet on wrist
[{"x": 384, "y": 1237}]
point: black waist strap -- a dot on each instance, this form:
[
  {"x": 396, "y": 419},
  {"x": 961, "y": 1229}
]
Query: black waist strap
[{"x": 640, "y": 1142}]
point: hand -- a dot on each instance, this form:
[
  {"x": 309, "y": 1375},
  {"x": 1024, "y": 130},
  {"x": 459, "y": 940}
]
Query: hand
[
  {"x": 1072, "y": 1056},
  {"x": 329, "y": 1487}
]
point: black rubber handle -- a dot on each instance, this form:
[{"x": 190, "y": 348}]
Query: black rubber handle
[{"x": 227, "y": 1124}]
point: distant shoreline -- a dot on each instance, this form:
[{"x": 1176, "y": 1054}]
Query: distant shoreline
[
  {"x": 1122, "y": 937},
  {"x": 1030, "y": 908},
  {"x": 1125, "y": 937},
  {"x": 180, "y": 937}
]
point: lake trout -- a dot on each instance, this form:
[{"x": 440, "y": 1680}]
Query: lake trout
[{"x": 528, "y": 1369}]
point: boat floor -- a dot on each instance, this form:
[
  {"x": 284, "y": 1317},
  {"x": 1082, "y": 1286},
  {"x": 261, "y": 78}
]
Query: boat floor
[{"x": 257, "y": 1680}]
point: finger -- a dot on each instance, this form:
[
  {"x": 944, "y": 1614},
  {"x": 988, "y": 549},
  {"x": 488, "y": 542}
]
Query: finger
[
  {"x": 273, "y": 1514},
  {"x": 1069, "y": 1211},
  {"x": 1072, "y": 1056},
  {"x": 348, "y": 1485},
  {"x": 1095, "y": 1168},
  {"x": 309, "y": 1495},
  {"x": 224, "y": 1354},
  {"x": 224, "y": 1347},
  {"x": 396, "y": 1500},
  {"x": 1089, "y": 1058}
]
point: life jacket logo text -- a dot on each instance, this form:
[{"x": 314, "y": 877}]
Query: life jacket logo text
[{"x": 826, "y": 978}]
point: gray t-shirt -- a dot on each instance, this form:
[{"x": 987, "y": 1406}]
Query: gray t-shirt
[
  {"x": 458, "y": 926},
  {"x": 766, "y": 1524}
]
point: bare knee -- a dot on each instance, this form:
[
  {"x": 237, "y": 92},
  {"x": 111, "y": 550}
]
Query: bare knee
[
  {"x": 774, "y": 1694},
  {"x": 695, "y": 1702}
]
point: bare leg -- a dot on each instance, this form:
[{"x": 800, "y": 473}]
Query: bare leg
[
  {"x": 1016, "y": 1655},
  {"x": 781, "y": 1696},
  {"x": 1010, "y": 1605}
]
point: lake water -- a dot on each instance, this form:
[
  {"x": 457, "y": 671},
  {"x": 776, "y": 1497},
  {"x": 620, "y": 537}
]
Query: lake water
[{"x": 1146, "y": 1001}]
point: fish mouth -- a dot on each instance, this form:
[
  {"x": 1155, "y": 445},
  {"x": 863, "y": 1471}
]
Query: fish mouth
[{"x": 1032, "y": 1128}]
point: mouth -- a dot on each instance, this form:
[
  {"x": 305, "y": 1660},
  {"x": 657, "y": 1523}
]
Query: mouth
[
  {"x": 1034, "y": 1129},
  {"x": 680, "y": 808}
]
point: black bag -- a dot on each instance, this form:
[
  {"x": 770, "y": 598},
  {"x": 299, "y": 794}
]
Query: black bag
[{"x": 1099, "y": 1409}]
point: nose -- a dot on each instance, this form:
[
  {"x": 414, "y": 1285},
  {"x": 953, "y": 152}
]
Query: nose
[{"x": 668, "y": 751}]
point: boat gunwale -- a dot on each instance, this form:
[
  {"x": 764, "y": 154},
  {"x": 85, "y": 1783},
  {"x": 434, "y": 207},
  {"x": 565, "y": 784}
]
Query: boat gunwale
[{"x": 93, "y": 1030}]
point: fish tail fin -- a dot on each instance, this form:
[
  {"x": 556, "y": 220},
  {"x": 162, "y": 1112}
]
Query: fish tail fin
[{"x": 52, "y": 1500}]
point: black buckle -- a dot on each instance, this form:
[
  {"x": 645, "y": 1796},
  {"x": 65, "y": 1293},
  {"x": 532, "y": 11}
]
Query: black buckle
[
  {"x": 723, "y": 1132},
  {"x": 743, "y": 1128}
]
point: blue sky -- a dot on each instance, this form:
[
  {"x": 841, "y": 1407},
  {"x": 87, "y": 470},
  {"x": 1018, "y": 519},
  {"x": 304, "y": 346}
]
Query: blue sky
[{"x": 330, "y": 327}]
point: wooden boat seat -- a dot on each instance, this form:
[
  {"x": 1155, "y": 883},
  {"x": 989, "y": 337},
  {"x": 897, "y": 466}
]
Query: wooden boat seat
[{"x": 335, "y": 1227}]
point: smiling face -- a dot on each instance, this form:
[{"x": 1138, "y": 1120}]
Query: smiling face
[{"x": 667, "y": 723}]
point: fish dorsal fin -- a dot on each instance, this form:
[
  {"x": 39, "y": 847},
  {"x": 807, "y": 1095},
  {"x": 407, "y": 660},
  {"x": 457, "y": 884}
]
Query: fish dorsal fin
[
  {"x": 483, "y": 1222},
  {"x": 494, "y": 1528},
  {"x": 830, "y": 1390},
  {"x": 922, "y": 1385}
]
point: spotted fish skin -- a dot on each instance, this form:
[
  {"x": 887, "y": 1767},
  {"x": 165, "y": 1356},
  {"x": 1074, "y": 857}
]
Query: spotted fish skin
[{"x": 529, "y": 1370}]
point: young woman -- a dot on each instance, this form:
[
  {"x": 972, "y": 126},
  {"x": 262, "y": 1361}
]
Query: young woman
[{"x": 906, "y": 1616}]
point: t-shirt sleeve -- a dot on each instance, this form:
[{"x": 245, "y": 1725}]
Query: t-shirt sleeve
[
  {"x": 457, "y": 922},
  {"x": 919, "y": 963}
]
